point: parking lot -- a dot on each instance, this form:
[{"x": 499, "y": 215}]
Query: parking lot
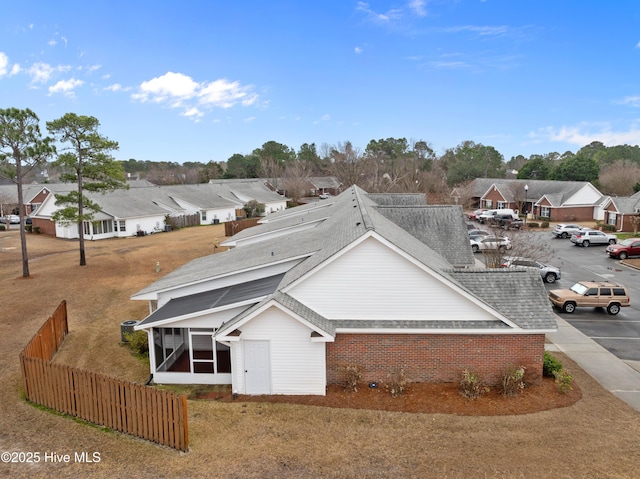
[{"x": 619, "y": 334}]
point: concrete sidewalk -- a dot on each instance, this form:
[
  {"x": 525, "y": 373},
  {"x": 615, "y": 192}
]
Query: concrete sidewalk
[{"x": 612, "y": 373}]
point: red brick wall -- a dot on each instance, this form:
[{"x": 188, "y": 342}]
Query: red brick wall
[{"x": 434, "y": 357}]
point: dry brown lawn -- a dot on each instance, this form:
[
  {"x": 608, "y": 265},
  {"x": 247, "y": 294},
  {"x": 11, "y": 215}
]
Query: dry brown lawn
[{"x": 593, "y": 435}]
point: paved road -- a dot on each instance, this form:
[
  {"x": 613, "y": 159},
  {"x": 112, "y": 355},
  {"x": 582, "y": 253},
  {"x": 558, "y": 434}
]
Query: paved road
[{"x": 619, "y": 334}]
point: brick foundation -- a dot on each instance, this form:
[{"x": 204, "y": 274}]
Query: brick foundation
[{"x": 434, "y": 357}]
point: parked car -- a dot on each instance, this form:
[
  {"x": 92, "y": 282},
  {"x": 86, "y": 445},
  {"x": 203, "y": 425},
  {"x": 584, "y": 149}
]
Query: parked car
[
  {"x": 475, "y": 214},
  {"x": 488, "y": 215},
  {"x": 324, "y": 196},
  {"x": 595, "y": 294},
  {"x": 564, "y": 230},
  {"x": 548, "y": 273},
  {"x": 482, "y": 243},
  {"x": 589, "y": 237},
  {"x": 507, "y": 222},
  {"x": 477, "y": 232},
  {"x": 12, "y": 219},
  {"x": 624, "y": 249}
]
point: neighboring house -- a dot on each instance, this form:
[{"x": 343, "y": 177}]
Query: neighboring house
[
  {"x": 314, "y": 186},
  {"x": 145, "y": 209},
  {"x": 619, "y": 211},
  {"x": 545, "y": 199},
  {"x": 380, "y": 282}
]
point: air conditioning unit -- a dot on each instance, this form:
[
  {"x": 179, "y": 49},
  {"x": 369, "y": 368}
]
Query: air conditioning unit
[{"x": 126, "y": 327}]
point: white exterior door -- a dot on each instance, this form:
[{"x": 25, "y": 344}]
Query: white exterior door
[{"x": 257, "y": 370}]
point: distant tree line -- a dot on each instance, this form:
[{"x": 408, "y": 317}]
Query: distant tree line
[{"x": 401, "y": 165}]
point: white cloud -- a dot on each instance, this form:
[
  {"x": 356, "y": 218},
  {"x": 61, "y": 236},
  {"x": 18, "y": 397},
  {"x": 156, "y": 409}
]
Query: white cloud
[
  {"x": 40, "y": 72},
  {"x": 193, "y": 113},
  {"x": 66, "y": 87},
  {"x": 357, "y": 50},
  {"x": 168, "y": 87},
  {"x": 249, "y": 119},
  {"x": 480, "y": 30},
  {"x": 586, "y": 133},
  {"x": 418, "y": 6},
  {"x": 378, "y": 17},
  {"x": 15, "y": 69},
  {"x": 4, "y": 63},
  {"x": 117, "y": 87},
  {"x": 176, "y": 90},
  {"x": 225, "y": 94},
  {"x": 631, "y": 100},
  {"x": 52, "y": 42},
  {"x": 325, "y": 117}
]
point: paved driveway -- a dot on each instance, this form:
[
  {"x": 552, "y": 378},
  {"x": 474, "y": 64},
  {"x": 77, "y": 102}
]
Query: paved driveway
[{"x": 619, "y": 334}]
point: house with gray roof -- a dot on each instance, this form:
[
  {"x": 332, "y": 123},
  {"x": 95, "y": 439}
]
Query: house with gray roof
[
  {"x": 544, "y": 199},
  {"x": 148, "y": 209},
  {"x": 621, "y": 211},
  {"x": 355, "y": 280}
]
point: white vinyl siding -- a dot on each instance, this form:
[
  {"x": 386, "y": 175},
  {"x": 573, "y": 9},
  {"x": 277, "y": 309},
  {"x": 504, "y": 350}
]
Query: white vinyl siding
[
  {"x": 372, "y": 281},
  {"x": 297, "y": 364}
]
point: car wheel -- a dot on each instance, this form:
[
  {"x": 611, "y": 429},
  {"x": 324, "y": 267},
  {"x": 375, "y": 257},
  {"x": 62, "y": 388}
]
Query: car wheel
[
  {"x": 612, "y": 241},
  {"x": 550, "y": 278},
  {"x": 585, "y": 243},
  {"x": 569, "y": 307},
  {"x": 502, "y": 249},
  {"x": 564, "y": 235},
  {"x": 613, "y": 308},
  {"x": 622, "y": 255},
  {"x": 475, "y": 248}
]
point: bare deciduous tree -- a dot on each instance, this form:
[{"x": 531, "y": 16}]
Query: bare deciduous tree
[{"x": 619, "y": 178}]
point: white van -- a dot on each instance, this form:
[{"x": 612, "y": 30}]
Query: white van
[{"x": 488, "y": 215}]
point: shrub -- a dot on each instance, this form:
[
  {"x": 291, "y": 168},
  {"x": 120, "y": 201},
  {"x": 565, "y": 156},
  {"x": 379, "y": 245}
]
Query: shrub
[
  {"x": 471, "y": 386},
  {"x": 36, "y": 230},
  {"x": 397, "y": 383},
  {"x": 2, "y": 227},
  {"x": 28, "y": 228},
  {"x": 545, "y": 224},
  {"x": 550, "y": 365},
  {"x": 513, "y": 380},
  {"x": 352, "y": 376},
  {"x": 563, "y": 381},
  {"x": 138, "y": 343},
  {"x": 608, "y": 228},
  {"x": 533, "y": 224}
]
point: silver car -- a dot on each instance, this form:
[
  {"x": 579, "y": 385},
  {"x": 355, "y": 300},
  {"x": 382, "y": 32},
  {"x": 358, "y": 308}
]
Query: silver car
[
  {"x": 565, "y": 230},
  {"x": 588, "y": 237},
  {"x": 548, "y": 273}
]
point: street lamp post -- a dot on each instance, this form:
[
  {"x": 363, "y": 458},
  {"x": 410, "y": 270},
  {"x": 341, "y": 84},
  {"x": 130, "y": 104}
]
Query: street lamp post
[{"x": 526, "y": 207}]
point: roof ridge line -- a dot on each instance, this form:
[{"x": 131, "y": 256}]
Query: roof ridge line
[{"x": 366, "y": 218}]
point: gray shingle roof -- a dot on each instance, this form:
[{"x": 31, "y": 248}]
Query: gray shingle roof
[
  {"x": 429, "y": 234},
  {"x": 516, "y": 293},
  {"x": 560, "y": 190}
]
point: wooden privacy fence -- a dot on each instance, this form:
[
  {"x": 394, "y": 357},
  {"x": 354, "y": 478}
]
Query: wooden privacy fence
[
  {"x": 233, "y": 227},
  {"x": 143, "y": 411}
]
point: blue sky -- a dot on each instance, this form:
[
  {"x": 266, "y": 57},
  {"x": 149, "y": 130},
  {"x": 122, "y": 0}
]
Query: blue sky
[{"x": 202, "y": 80}]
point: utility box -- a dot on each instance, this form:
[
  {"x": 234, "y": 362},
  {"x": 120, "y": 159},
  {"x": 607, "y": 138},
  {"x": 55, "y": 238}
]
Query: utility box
[{"x": 126, "y": 327}]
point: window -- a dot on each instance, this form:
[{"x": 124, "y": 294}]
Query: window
[
  {"x": 86, "y": 227},
  {"x": 101, "y": 227},
  {"x": 619, "y": 292},
  {"x": 592, "y": 292},
  {"x": 502, "y": 205},
  {"x": 488, "y": 203},
  {"x": 545, "y": 212},
  {"x": 203, "y": 215},
  {"x": 123, "y": 225},
  {"x": 611, "y": 220},
  {"x": 605, "y": 291}
]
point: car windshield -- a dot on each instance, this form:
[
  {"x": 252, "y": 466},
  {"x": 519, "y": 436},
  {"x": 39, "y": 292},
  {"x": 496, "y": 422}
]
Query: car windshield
[
  {"x": 579, "y": 288},
  {"x": 627, "y": 242}
]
